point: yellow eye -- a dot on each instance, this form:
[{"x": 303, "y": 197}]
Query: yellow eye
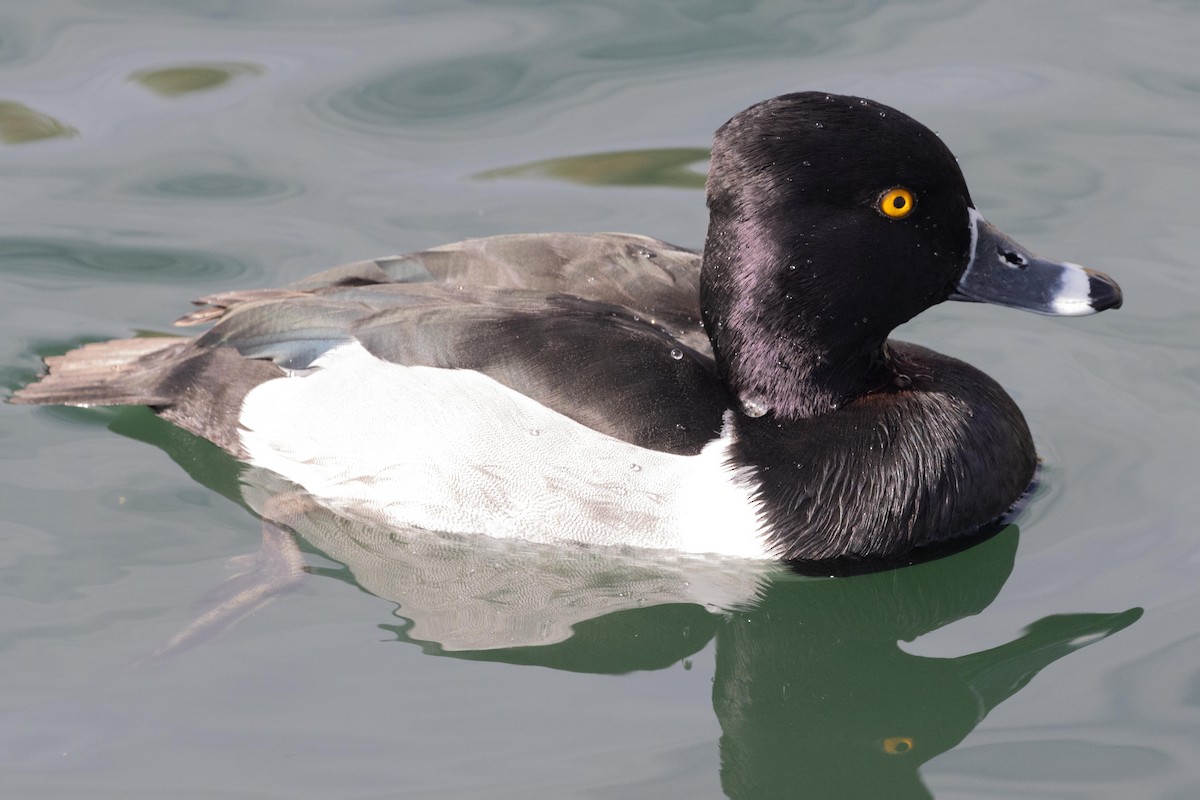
[
  {"x": 895, "y": 745},
  {"x": 897, "y": 202}
]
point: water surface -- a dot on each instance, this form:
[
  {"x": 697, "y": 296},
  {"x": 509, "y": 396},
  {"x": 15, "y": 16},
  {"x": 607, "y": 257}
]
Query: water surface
[{"x": 154, "y": 151}]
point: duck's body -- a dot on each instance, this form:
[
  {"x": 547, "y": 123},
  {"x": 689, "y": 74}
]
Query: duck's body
[{"x": 561, "y": 387}]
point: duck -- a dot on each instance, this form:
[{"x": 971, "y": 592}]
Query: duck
[{"x": 612, "y": 390}]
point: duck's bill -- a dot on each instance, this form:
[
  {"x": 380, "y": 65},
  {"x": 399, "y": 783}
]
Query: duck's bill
[{"x": 1005, "y": 273}]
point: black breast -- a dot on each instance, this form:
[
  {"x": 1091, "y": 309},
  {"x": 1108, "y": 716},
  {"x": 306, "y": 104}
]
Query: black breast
[{"x": 895, "y": 469}]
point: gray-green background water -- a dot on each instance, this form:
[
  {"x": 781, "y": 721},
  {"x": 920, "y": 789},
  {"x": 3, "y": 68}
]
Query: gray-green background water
[{"x": 153, "y": 151}]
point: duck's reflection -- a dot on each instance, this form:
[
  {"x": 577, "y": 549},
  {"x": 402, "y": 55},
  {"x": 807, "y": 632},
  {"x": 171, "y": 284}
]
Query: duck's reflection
[
  {"x": 813, "y": 692},
  {"x": 816, "y": 698},
  {"x": 814, "y": 695}
]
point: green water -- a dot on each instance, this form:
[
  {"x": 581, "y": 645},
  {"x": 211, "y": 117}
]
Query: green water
[{"x": 152, "y": 151}]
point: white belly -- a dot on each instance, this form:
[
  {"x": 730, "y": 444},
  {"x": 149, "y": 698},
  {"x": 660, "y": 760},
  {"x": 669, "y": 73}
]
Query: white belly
[{"x": 455, "y": 451}]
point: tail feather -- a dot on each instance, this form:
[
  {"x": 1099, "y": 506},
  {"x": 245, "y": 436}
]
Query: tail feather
[
  {"x": 117, "y": 372},
  {"x": 199, "y": 389}
]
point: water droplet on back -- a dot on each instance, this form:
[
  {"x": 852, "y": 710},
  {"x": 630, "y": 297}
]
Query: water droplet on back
[{"x": 676, "y": 353}]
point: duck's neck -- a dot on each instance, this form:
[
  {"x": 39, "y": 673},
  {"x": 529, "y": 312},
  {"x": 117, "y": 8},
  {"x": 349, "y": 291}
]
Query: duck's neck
[
  {"x": 892, "y": 470},
  {"x": 781, "y": 341}
]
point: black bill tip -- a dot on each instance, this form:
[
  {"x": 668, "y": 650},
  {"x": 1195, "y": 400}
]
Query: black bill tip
[{"x": 1103, "y": 291}]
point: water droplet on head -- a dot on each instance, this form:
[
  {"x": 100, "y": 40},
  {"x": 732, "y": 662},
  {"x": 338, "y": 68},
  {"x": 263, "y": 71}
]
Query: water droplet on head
[
  {"x": 676, "y": 353},
  {"x": 753, "y": 405},
  {"x": 635, "y": 467}
]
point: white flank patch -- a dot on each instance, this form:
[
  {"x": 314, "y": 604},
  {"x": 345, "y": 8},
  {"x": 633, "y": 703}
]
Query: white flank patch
[{"x": 455, "y": 451}]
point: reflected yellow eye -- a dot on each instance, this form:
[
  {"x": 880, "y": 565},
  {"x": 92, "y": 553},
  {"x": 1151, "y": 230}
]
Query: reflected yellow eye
[
  {"x": 897, "y": 202},
  {"x": 895, "y": 745}
]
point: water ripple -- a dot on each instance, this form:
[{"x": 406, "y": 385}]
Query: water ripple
[
  {"x": 19, "y": 124},
  {"x": 435, "y": 91},
  {"x": 556, "y": 52},
  {"x": 1168, "y": 84},
  {"x": 14, "y": 39},
  {"x": 64, "y": 261},
  {"x": 679, "y": 167},
  {"x": 216, "y": 186},
  {"x": 188, "y": 78}
]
